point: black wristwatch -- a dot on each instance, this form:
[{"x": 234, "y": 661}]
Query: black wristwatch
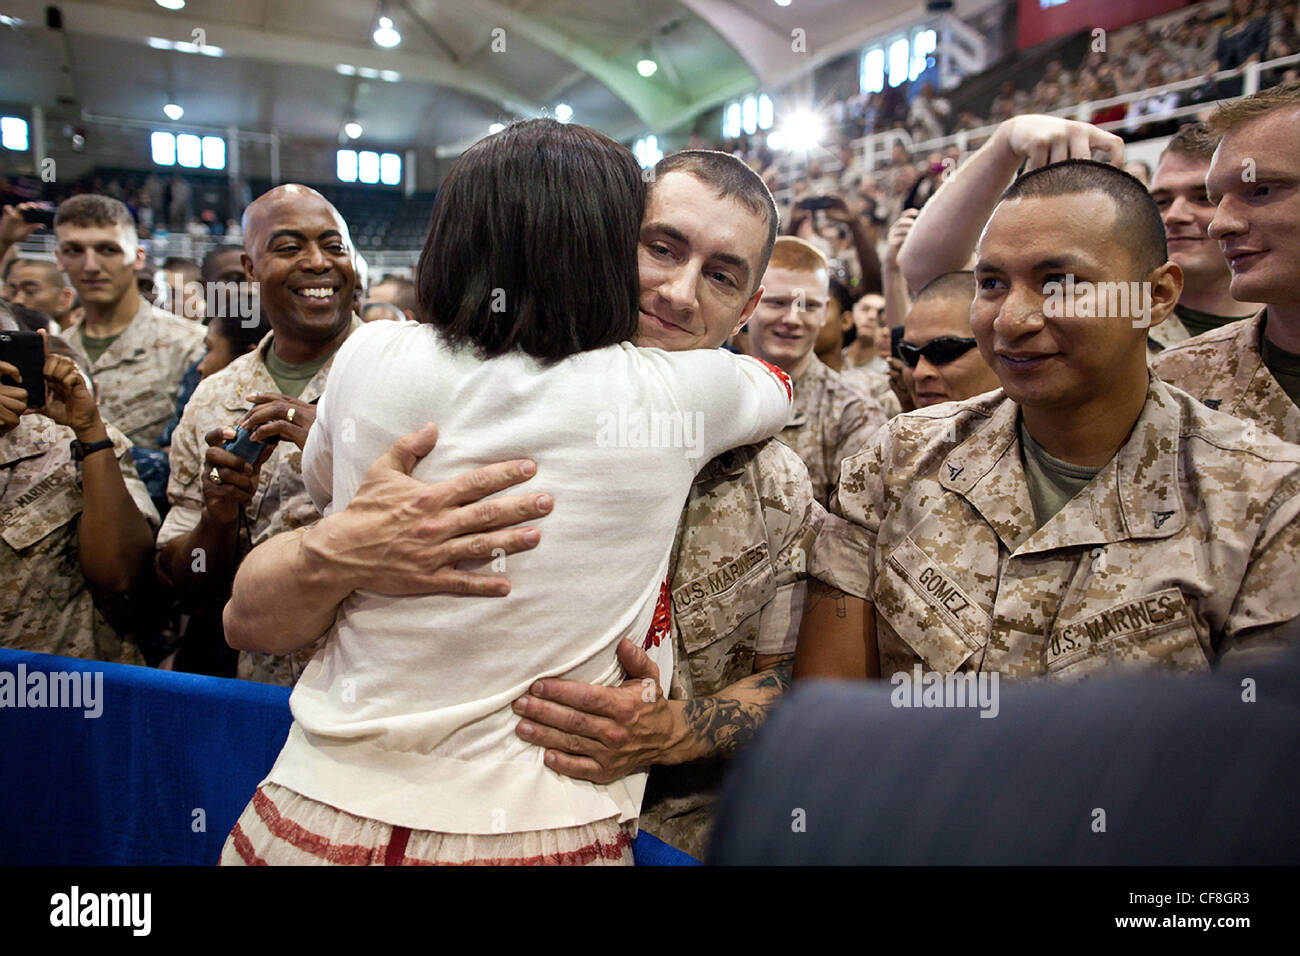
[{"x": 80, "y": 449}]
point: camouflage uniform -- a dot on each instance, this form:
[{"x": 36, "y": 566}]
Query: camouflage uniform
[
  {"x": 737, "y": 591},
  {"x": 830, "y": 422},
  {"x": 139, "y": 375},
  {"x": 281, "y": 502},
  {"x": 46, "y": 604},
  {"x": 876, "y": 384},
  {"x": 1166, "y": 335},
  {"x": 1224, "y": 369},
  {"x": 1183, "y": 550}
]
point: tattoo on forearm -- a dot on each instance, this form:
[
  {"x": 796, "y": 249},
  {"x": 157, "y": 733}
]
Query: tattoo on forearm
[
  {"x": 818, "y": 592},
  {"x": 722, "y": 725}
]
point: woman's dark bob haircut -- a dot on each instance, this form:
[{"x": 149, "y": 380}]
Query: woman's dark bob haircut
[{"x": 533, "y": 243}]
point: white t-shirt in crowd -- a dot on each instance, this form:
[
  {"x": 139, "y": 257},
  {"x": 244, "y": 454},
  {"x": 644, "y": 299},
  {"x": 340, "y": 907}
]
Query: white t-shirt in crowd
[{"x": 405, "y": 714}]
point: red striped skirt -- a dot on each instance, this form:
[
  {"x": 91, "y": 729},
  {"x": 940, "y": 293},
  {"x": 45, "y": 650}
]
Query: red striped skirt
[{"x": 281, "y": 827}]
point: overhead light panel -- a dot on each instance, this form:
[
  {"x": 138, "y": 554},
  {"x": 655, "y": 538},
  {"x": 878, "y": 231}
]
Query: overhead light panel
[
  {"x": 386, "y": 34},
  {"x": 173, "y": 111},
  {"x": 389, "y": 76}
]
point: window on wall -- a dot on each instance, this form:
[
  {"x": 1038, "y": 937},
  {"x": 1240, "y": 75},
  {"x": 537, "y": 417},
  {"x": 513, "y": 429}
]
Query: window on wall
[
  {"x": 647, "y": 151},
  {"x": 896, "y": 61},
  {"x": 13, "y": 133},
  {"x": 367, "y": 166},
  {"x": 188, "y": 150},
  {"x": 748, "y": 116}
]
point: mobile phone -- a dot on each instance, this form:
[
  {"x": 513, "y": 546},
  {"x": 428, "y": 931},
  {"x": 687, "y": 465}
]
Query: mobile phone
[
  {"x": 244, "y": 446},
  {"x": 814, "y": 203},
  {"x": 43, "y": 215},
  {"x": 26, "y": 352},
  {"x": 895, "y": 336}
]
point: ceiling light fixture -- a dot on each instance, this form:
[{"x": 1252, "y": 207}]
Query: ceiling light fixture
[
  {"x": 353, "y": 130},
  {"x": 564, "y": 112},
  {"x": 647, "y": 67},
  {"x": 173, "y": 111},
  {"x": 386, "y": 34},
  {"x": 496, "y": 128},
  {"x": 171, "y": 4}
]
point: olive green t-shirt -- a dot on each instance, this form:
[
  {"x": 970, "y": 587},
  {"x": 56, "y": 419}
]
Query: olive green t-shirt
[
  {"x": 1198, "y": 323},
  {"x": 96, "y": 347},
  {"x": 291, "y": 379},
  {"x": 1052, "y": 482},
  {"x": 1285, "y": 367}
]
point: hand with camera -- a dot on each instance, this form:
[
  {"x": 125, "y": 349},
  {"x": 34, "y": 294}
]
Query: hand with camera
[
  {"x": 229, "y": 480},
  {"x": 15, "y": 226},
  {"x": 13, "y": 399},
  {"x": 275, "y": 417}
]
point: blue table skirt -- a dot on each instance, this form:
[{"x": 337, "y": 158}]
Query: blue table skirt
[{"x": 158, "y": 777}]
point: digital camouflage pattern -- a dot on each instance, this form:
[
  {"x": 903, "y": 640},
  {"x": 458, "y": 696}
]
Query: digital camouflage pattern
[
  {"x": 737, "y": 571},
  {"x": 281, "y": 502},
  {"x": 1166, "y": 335},
  {"x": 139, "y": 376},
  {"x": 1182, "y": 552},
  {"x": 1225, "y": 370},
  {"x": 831, "y": 420},
  {"x": 876, "y": 384},
  {"x": 46, "y": 604}
]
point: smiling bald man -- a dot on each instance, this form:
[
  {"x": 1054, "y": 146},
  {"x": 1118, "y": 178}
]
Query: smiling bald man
[{"x": 298, "y": 252}]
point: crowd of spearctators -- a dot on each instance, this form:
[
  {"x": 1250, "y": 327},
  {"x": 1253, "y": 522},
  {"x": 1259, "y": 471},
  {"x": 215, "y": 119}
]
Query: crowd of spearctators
[{"x": 998, "y": 486}]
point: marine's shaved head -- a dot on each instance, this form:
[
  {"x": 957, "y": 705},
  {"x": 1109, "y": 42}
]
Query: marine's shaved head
[{"x": 264, "y": 207}]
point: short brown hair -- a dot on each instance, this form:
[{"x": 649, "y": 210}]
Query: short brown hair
[
  {"x": 732, "y": 179},
  {"x": 797, "y": 255},
  {"x": 93, "y": 210},
  {"x": 1237, "y": 113},
  {"x": 1193, "y": 141}
]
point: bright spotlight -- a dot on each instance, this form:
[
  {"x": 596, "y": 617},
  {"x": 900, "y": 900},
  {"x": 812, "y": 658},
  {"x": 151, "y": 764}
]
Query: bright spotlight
[
  {"x": 173, "y": 111},
  {"x": 564, "y": 112},
  {"x": 803, "y": 131},
  {"x": 385, "y": 34},
  {"x": 647, "y": 67}
]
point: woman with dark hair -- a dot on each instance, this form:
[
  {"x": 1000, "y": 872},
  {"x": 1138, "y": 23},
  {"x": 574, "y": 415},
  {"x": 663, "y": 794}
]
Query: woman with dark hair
[{"x": 403, "y": 747}]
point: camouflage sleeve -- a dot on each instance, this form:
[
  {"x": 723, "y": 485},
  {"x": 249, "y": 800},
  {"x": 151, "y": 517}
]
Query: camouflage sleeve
[
  {"x": 843, "y": 550},
  {"x": 185, "y": 484},
  {"x": 791, "y": 512},
  {"x": 1268, "y": 596},
  {"x": 863, "y": 416},
  {"x": 131, "y": 478}
]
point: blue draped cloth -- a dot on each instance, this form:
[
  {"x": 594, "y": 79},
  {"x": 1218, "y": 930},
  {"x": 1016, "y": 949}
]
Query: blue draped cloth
[{"x": 152, "y": 768}]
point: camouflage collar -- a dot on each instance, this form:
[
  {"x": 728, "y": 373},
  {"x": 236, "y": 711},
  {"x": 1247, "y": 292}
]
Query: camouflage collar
[
  {"x": 134, "y": 340},
  {"x": 1136, "y": 495},
  {"x": 1169, "y": 332},
  {"x": 251, "y": 375}
]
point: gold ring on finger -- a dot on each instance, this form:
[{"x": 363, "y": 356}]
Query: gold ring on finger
[
  {"x": 290, "y": 416},
  {"x": 214, "y": 475}
]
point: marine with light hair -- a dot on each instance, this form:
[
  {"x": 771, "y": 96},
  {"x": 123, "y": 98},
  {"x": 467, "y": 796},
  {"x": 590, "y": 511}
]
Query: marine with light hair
[
  {"x": 832, "y": 419},
  {"x": 1251, "y": 368}
]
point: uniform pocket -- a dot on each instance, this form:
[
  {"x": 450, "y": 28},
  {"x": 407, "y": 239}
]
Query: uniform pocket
[
  {"x": 928, "y": 609},
  {"x": 1152, "y": 631}
]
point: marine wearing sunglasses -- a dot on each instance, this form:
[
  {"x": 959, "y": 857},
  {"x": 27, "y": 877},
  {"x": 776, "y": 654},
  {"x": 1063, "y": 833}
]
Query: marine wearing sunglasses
[{"x": 940, "y": 360}]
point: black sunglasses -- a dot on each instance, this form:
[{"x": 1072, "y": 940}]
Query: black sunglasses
[{"x": 940, "y": 351}]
